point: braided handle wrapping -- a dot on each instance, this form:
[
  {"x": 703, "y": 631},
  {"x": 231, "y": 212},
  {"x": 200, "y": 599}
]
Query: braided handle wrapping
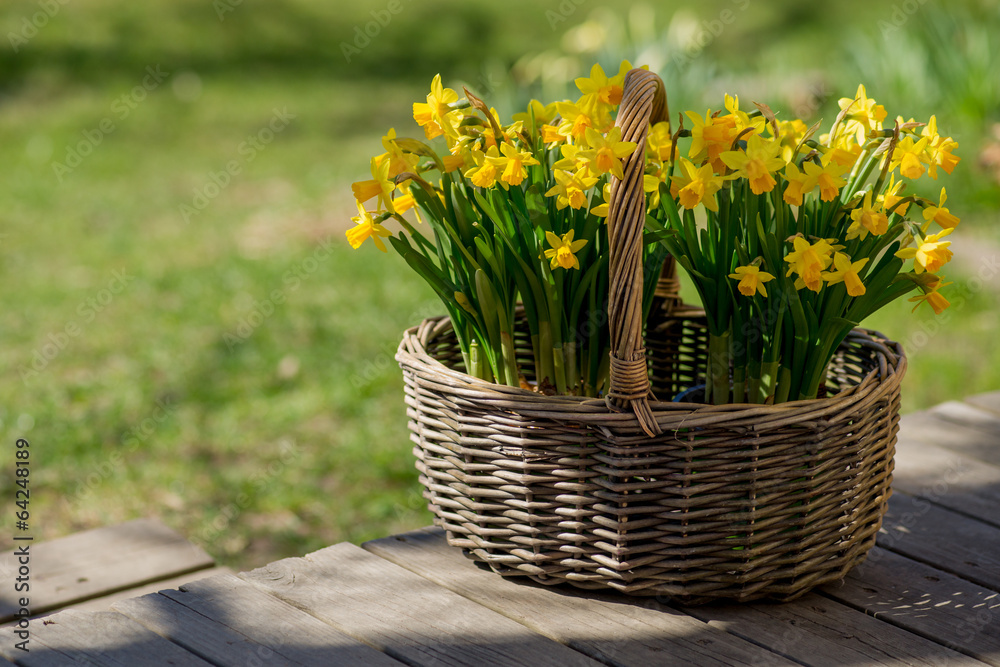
[{"x": 643, "y": 101}]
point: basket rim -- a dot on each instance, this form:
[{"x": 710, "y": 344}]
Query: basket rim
[{"x": 412, "y": 355}]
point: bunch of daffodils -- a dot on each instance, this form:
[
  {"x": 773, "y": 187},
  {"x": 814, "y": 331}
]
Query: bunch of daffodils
[
  {"x": 790, "y": 237},
  {"x": 794, "y": 238},
  {"x": 518, "y": 247}
]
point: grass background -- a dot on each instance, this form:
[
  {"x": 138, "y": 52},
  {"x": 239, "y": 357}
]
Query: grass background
[{"x": 241, "y": 384}]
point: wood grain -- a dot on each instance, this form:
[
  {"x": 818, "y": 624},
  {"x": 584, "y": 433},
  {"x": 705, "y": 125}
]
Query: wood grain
[
  {"x": 948, "y": 541},
  {"x": 989, "y": 401},
  {"x": 99, "y": 562},
  {"x": 821, "y": 632},
  {"x": 611, "y": 628},
  {"x": 101, "y": 638},
  {"x": 948, "y": 478},
  {"x": 403, "y": 614},
  {"x": 972, "y": 442},
  {"x": 917, "y": 597},
  {"x": 278, "y": 632}
]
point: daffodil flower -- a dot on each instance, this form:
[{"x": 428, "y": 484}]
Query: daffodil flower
[
  {"x": 940, "y": 214},
  {"x": 399, "y": 160},
  {"x": 431, "y": 115},
  {"x": 380, "y": 185},
  {"x": 808, "y": 261},
  {"x": 911, "y": 157},
  {"x": 602, "y": 209},
  {"x": 930, "y": 253},
  {"x": 659, "y": 142},
  {"x": 697, "y": 185},
  {"x": 542, "y": 113},
  {"x": 790, "y": 133},
  {"x": 867, "y": 218},
  {"x": 931, "y": 296},
  {"x": 751, "y": 279},
  {"x": 604, "y": 153},
  {"x": 757, "y": 163},
  {"x": 366, "y": 228},
  {"x": 563, "y": 250},
  {"x": 863, "y": 115},
  {"x": 601, "y": 93},
  {"x": 847, "y": 273},
  {"x": 890, "y": 198},
  {"x": 484, "y": 173},
  {"x": 575, "y": 120},
  {"x": 570, "y": 189},
  {"x": 939, "y": 150},
  {"x": 710, "y": 137},
  {"x": 513, "y": 163}
]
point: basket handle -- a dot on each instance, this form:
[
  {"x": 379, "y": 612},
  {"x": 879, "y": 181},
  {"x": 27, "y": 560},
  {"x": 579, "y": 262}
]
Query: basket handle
[{"x": 644, "y": 101}]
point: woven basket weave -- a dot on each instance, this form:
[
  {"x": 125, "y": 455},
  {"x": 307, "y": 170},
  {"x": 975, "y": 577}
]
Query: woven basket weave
[{"x": 694, "y": 502}]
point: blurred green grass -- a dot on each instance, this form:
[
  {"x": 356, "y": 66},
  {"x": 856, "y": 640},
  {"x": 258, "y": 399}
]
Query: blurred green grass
[{"x": 293, "y": 436}]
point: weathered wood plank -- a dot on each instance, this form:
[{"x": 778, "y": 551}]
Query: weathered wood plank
[
  {"x": 966, "y": 414},
  {"x": 922, "y": 599},
  {"x": 948, "y": 478},
  {"x": 951, "y": 542},
  {"x": 230, "y": 622},
  {"x": 821, "y": 632},
  {"x": 98, "y": 562},
  {"x": 102, "y": 638},
  {"x": 610, "y": 628},
  {"x": 403, "y": 614},
  {"x": 989, "y": 401},
  {"x": 104, "y": 603},
  {"x": 972, "y": 442}
]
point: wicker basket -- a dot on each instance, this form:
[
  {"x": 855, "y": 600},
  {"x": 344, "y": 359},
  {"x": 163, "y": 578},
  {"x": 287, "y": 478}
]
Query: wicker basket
[{"x": 694, "y": 502}]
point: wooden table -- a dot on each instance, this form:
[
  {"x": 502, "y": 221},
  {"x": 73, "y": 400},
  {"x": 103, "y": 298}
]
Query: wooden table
[{"x": 928, "y": 594}]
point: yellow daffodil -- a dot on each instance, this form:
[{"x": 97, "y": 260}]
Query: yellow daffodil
[
  {"x": 601, "y": 93},
  {"x": 484, "y": 173},
  {"x": 751, "y": 279},
  {"x": 563, "y": 250},
  {"x": 651, "y": 185},
  {"x": 930, "y": 253},
  {"x": 602, "y": 209},
  {"x": 757, "y": 163},
  {"x": 399, "y": 161},
  {"x": 829, "y": 178},
  {"x": 799, "y": 184},
  {"x": 911, "y": 157},
  {"x": 570, "y": 189},
  {"x": 380, "y": 185},
  {"x": 868, "y": 218},
  {"x": 513, "y": 163},
  {"x": 739, "y": 119},
  {"x": 554, "y": 134},
  {"x": 456, "y": 161},
  {"x": 808, "y": 261},
  {"x": 573, "y": 158},
  {"x": 710, "y": 137},
  {"x": 542, "y": 113},
  {"x": 430, "y": 115},
  {"x": 939, "y": 150},
  {"x": 791, "y": 133},
  {"x": 931, "y": 296},
  {"x": 844, "y": 151},
  {"x": 847, "y": 273},
  {"x": 659, "y": 144},
  {"x": 697, "y": 185},
  {"x": 863, "y": 115},
  {"x": 405, "y": 201},
  {"x": 604, "y": 153},
  {"x": 940, "y": 214},
  {"x": 366, "y": 228},
  {"x": 890, "y": 198},
  {"x": 575, "y": 120}
]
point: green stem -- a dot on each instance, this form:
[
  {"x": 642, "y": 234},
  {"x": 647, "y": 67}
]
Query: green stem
[{"x": 718, "y": 364}]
